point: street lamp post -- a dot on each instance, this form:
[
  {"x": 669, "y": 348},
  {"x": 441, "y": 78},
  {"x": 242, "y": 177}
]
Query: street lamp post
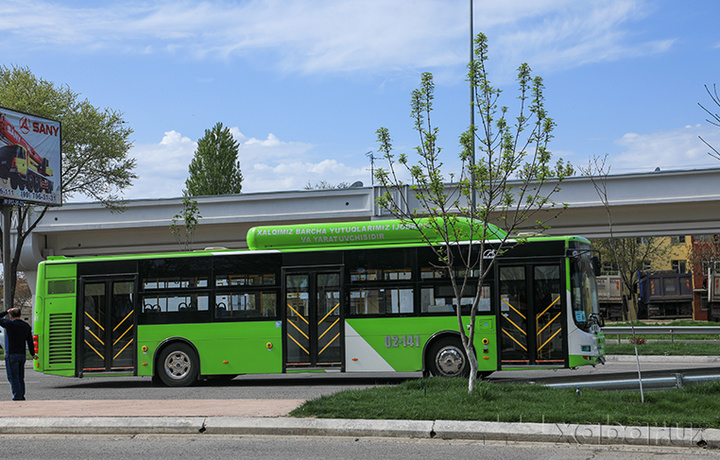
[{"x": 472, "y": 113}]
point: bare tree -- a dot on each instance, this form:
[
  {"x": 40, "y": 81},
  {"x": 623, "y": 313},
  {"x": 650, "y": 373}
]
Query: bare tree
[
  {"x": 623, "y": 251},
  {"x": 714, "y": 118},
  {"x": 705, "y": 253},
  {"x": 325, "y": 185},
  {"x": 629, "y": 256}
]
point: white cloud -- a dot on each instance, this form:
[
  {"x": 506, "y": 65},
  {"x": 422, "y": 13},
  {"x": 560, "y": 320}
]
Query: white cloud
[
  {"x": 162, "y": 168},
  {"x": 271, "y": 164},
  {"x": 312, "y": 36},
  {"x": 561, "y": 35},
  {"x": 268, "y": 164},
  {"x": 676, "y": 149}
]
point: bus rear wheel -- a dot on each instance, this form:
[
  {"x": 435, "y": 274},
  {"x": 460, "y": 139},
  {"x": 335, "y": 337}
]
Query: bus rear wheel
[
  {"x": 447, "y": 359},
  {"x": 178, "y": 365}
]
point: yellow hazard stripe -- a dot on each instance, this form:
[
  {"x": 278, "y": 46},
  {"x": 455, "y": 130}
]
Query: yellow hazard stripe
[
  {"x": 123, "y": 320},
  {"x": 93, "y": 349},
  {"x": 121, "y": 336},
  {"x": 549, "y": 306},
  {"x": 298, "y": 314},
  {"x": 329, "y": 327},
  {"x": 123, "y": 349},
  {"x": 514, "y": 309},
  {"x": 548, "y": 340},
  {"x": 93, "y": 320},
  {"x": 298, "y": 329},
  {"x": 548, "y": 324},
  {"x": 298, "y": 343},
  {"x": 96, "y": 337},
  {"x": 518, "y": 327},
  {"x": 329, "y": 313},
  {"x": 333, "y": 339},
  {"x": 514, "y": 339}
]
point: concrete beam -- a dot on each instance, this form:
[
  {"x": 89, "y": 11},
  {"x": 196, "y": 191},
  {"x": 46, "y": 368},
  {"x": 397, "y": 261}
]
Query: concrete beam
[{"x": 660, "y": 203}]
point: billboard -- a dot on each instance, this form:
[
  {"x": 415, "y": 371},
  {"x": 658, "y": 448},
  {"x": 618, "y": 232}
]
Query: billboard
[{"x": 30, "y": 163}]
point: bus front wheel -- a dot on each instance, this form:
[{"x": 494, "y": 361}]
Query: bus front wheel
[
  {"x": 447, "y": 359},
  {"x": 178, "y": 365}
]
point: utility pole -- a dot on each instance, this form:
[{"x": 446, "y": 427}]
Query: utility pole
[
  {"x": 6, "y": 211},
  {"x": 473, "y": 200}
]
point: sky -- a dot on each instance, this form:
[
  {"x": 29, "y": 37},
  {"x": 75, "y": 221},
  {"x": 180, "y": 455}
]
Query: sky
[{"x": 305, "y": 84}]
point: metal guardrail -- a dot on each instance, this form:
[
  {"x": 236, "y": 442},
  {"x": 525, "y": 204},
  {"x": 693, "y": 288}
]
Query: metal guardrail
[
  {"x": 662, "y": 330},
  {"x": 672, "y": 331},
  {"x": 677, "y": 380},
  {"x": 655, "y": 379}
]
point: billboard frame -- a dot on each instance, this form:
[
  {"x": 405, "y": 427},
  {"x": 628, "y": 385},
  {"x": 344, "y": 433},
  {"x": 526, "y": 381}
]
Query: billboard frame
[{"x": 30, "y": 159}]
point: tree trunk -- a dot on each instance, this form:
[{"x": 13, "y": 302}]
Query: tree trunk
[{"x": 472, "y": 360}]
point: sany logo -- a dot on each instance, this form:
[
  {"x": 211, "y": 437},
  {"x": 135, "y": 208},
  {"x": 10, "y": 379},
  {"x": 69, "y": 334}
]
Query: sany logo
[{"x": 24, "y": 125}]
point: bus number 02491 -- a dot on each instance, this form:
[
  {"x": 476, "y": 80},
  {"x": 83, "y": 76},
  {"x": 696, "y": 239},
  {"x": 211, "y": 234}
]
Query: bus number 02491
[{"x": 394, "y": 341}]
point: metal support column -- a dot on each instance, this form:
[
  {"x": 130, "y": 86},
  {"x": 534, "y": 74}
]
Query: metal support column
[{"x": 6, "y": 211}]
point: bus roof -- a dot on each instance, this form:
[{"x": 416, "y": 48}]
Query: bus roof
[
  {"x": 360, "y": 234},
  {"x": 335, "y": 236}
]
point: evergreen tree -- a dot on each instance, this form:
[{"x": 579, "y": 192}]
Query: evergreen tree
[{"x": 215, "y": 169}]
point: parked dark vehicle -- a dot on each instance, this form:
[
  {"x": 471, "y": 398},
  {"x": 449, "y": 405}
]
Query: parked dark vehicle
[{"x": 666, "y": 294}]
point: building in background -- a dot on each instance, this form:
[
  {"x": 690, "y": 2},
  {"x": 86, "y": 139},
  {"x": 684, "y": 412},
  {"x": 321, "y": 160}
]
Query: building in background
[
  {"x": 661, "y": 280},
  {"x": 704, "y": 260}
]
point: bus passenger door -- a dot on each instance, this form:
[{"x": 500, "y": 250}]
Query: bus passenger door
[
  {"x": 312, "y": 320},
  {"x": 531, "y": 316},
  {"x": 109, "y": 325}
]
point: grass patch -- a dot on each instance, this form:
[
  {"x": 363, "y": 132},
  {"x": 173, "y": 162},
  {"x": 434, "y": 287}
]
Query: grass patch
[
  {"x": 664, "y": 348},
  {"x": 448, "y": 399}
]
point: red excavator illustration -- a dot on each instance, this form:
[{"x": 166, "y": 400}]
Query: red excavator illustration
[{"x": 20, "y": 163}]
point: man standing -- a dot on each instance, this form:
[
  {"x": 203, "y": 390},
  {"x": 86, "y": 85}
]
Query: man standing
[{"x": 17, "y": 334}]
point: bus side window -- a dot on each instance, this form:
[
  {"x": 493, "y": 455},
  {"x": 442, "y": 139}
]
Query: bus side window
[
  {"x": 381, "y": 301},
  {"x": 250, "y": 304}
]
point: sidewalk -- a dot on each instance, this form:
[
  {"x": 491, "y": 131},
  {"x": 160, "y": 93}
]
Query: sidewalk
[
  {"x": 270, "y": 417},
  {"x": 149, "y": 408}
]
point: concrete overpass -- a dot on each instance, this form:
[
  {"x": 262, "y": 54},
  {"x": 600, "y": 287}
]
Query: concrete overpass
[{"x": 647, "y": 204}]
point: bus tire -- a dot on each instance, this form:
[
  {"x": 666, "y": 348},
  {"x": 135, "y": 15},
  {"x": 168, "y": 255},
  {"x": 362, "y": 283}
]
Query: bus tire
[
  {"x": 447, "y": 358},
  {"x": 178, "y": 365}
]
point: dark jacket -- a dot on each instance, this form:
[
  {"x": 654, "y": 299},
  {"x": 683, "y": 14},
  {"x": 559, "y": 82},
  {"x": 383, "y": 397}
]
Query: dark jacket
[{"x": 17, "y": 334}]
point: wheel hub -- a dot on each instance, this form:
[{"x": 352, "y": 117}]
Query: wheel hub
[
  {"x": 450, "y": 361},
  {"x": 177, "y": 365}
]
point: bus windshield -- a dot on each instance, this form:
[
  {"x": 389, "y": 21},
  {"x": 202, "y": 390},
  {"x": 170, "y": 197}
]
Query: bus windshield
[{"x": 584, "y": 289}]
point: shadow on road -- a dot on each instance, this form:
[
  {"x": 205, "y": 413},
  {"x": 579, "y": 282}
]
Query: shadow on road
[{"x": 279, "y": 380}]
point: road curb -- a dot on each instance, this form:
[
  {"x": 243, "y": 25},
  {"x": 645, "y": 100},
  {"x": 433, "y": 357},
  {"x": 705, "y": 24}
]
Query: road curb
[
  {"x": 578, "y": 434},
  {"x": 442, "y": 429},
  {"x": 101, "y": 425},
  {"x": 320, "y": 427}
]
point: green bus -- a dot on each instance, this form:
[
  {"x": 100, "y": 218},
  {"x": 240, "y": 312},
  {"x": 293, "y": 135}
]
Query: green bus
[{"x": 332, "y": 297}]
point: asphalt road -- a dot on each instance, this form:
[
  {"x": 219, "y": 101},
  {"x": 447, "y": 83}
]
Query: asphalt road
[
  {"x": 282, "y": 386},
  {"x": 305, "y": 386},
  {"x": 171, "y": 447}
]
